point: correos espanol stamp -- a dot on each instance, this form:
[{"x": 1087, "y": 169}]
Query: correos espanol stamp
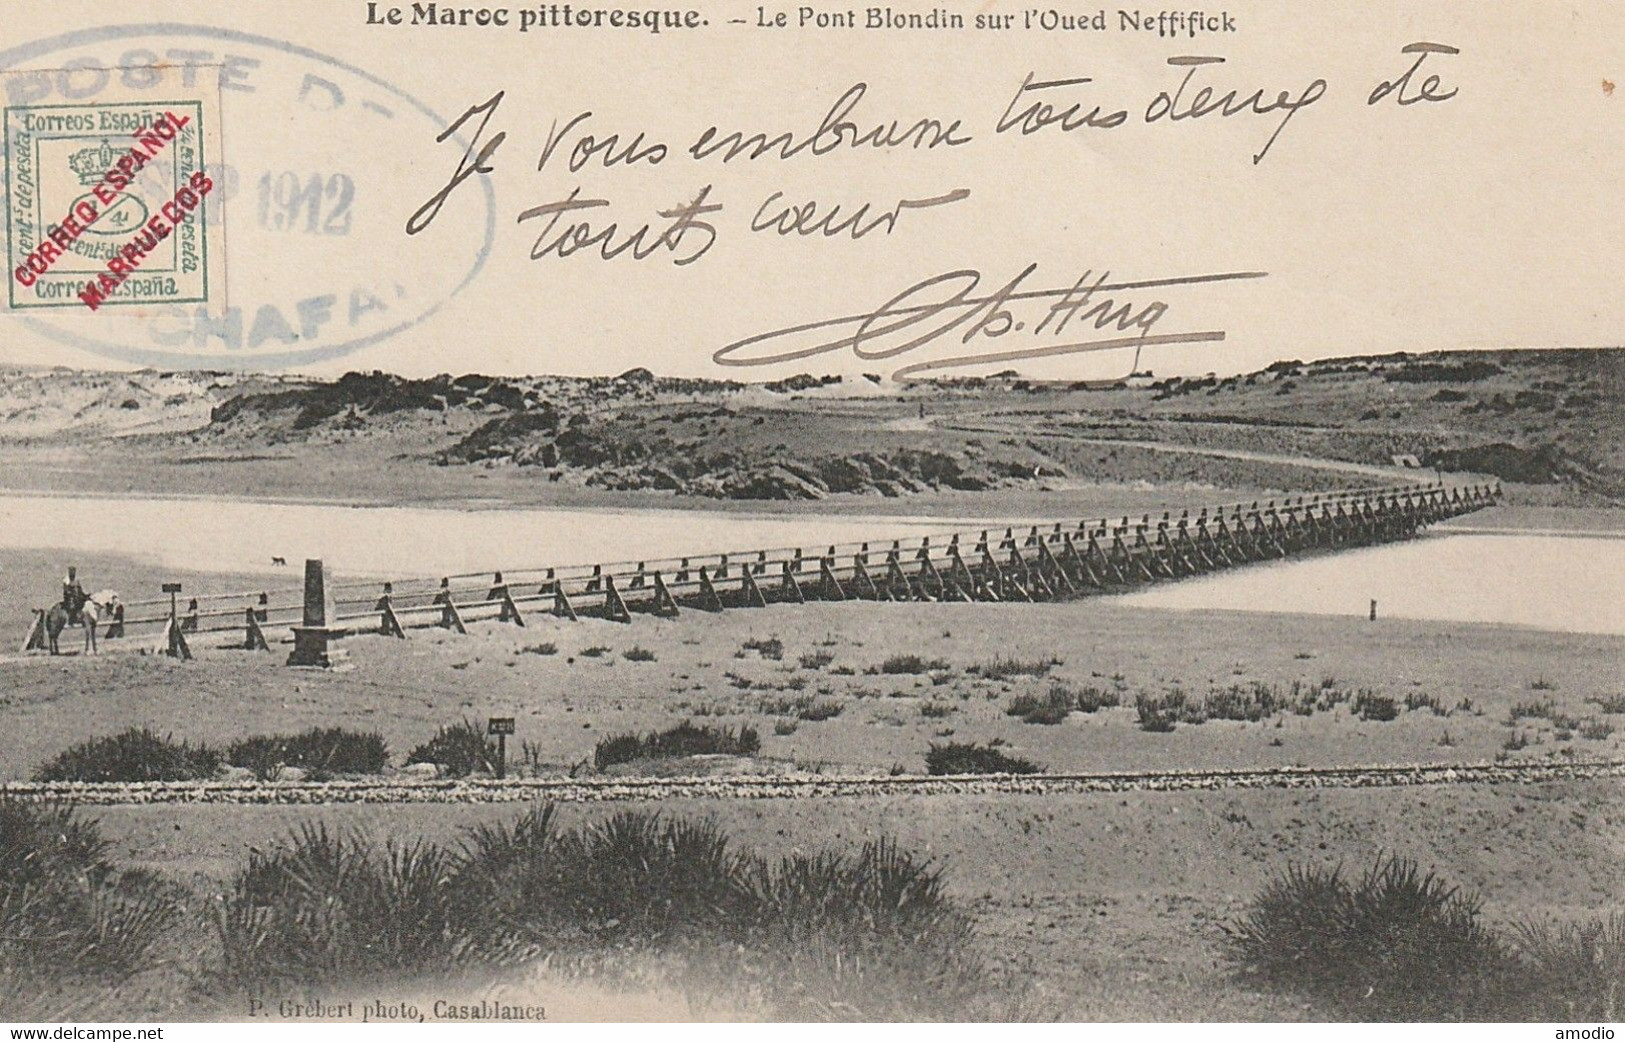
[{"x": 105, "y": 204}]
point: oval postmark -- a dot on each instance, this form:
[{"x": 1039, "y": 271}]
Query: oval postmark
[{"x": 313, "y": 154}]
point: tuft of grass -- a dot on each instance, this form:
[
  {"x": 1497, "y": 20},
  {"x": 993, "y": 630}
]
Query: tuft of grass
[
  {"x": 1055, "y": 706},
  {"x": 769, "y": 648},
  {"x": 685, "y": 739},
  {"x": 1542, "y": 684},
  {"x": 816, "y": 659},
  {"x": 1094, "y": 699},
  {"x": 321, "y": 750},
  {"x": 1540, "y": 709},
  {"x": 136, "y": 755},
  {"x": 1516, "y": 740},
  {"x": 460, "y": 750},
  {"x": 1371, "y": 706},
  {"x": 1008, "y": 668},
  {"x": 596, "y": 651},
  {"x": 1415, "y": 700},
  {"x": 820, "y": 709},
  {"x": 970, "y": 758},
  {"x": 782, "y": 728},
  {"x": 1395, "y": 944},
  {"x": 1593, "y": 729},
  {"x": 1155, "y": 714},
  {"x": 936, "y": 710},
  {"x": 638, "y": 653},
  {"x": 910, "y": 665},
  {"x": 545, "y": 648}
]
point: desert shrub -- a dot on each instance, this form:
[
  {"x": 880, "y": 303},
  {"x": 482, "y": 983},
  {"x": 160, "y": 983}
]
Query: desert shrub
[
  {"x": 910, "y": 665},
  {"x": 783, "y": 705},
  {"x": 1022, "y": 704},
  {"x": 1542, "y": 684},
  {"x": 330, "y": 750},
  {"x": 1415, "y": 700},
  {"x": 769, "y": 648},
  {"x": 66, "y": 912},
  {"x": 1610, "y": 703},
  {"x": 1573, "y": 971},
  {"x": 1155, "y": 714},
  {"x": 820, "y": 709},
  {"x": 826, "y": 934},
  {"x": 1515, "y": 741},
  {"x": 784, "y": 728},
  {"x": 1054, "y": 707},
  {"x": 1540, "y": 709},
  {"x": 1094, "y": 699},
  {"x": 637, "y": 653},
  {"x": 1396, "y": 944},
  {"x": 685, "y": 739},
  {"x": 970, "y": 758},
  {"x": 324, "y": 907},
  {"x": 596, "y": 651},
  {"x": 1006, "y": 668},
  {"x": 545, "y": 648},
  {"x": 1594, "y": 729},
  {"x": 1251, "y": 703},
  {"x": 1371, "y": 706},
  {"x": 936, "y": 710},
  {"x": 460, "y": 750},
  {"x": 816, "y": 659},
  {"x": 136, "y": 755}
]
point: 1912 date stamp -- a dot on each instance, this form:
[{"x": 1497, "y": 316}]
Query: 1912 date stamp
[{"x": 106, "y": 204}]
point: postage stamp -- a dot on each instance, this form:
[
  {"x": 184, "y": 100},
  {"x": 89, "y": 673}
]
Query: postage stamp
[{"x": 107, "y": 204}]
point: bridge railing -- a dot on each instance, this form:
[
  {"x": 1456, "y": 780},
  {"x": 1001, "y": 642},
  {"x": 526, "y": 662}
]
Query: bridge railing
[{"x": 986, "y": 562}]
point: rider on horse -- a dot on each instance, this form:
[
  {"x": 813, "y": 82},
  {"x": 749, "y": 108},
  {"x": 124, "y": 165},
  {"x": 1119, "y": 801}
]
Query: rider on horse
[{"x": 73, "y": 595}]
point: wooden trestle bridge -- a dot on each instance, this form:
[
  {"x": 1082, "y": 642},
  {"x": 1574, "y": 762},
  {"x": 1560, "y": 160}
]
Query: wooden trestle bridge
[{"x": 1018, "y": 563}]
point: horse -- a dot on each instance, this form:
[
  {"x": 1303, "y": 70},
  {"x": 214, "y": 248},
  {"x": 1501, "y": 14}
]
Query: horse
[{"x": 90, "y": 616}]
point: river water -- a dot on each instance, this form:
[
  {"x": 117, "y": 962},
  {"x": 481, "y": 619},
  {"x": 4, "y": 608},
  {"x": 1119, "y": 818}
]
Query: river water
[
  {"x": 1557, "y": 582},
  {"x": 1571, "y": 583}
]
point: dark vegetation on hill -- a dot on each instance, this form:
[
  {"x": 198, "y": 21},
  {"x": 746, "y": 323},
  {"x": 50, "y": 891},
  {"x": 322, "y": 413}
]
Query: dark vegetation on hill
[{"x": 1535, "y": 418}]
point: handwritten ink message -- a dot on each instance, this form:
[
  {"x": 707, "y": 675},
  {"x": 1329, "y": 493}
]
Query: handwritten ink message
[{"x": 574, "y": 216}]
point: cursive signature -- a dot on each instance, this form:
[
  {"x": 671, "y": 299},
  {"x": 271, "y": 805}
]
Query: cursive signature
[{"x": 1093, "y": 314}]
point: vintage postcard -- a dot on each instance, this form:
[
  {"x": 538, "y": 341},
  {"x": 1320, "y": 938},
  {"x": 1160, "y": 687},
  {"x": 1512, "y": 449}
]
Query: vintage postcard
[{"x": 723, "y": 511}]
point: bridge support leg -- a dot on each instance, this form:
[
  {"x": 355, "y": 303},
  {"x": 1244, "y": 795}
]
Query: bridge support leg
[
  {"x": 389, "y": 624},
  {"x": 665, "y": 603},
  {"x": 254, "y": 637},
  {"x": 510, "y": 610},
  {"x": 174, "y": 642},
  {"x": 614, "y": 605},
  {"x": 710, "y": 600},
  {"x": 37, "y": 638}
]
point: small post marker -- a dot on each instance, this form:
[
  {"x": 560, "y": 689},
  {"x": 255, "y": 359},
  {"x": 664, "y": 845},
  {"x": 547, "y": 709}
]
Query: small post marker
[
  {"x": 502, "y": 727},
  {"x": 1373, "y": 610},
  {"x": 174, "y": 638}
]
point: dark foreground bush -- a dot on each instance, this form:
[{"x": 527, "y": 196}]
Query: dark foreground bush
[
  {"x": 970, "y": 758},
  {"x": 66, "y": 912},
  {"x": 870, "y": 933},
  {"x": 1574, "y": 971},
  {"x": 1396, "y": 944},
  {"x": 686, "y": 739},
  {"x": 137, "y": 755},
  {"x": 327, "y": 750},
  {"x": 332, "y": 908},
  {"x": 459, "y": 750}
]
